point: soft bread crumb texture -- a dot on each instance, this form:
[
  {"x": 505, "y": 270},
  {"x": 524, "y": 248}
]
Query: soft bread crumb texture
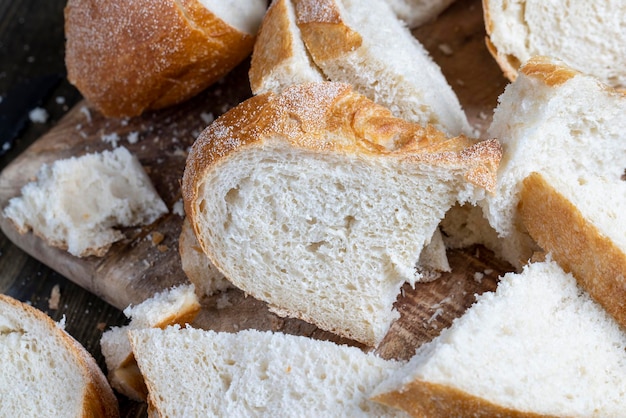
[
  {"x": 76, "y": 203},
  {"x": 252, "y": 373},
  {"x": 539, "y": 344}
]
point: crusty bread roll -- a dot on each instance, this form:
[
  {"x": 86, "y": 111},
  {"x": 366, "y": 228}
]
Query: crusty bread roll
[
  {"x": 588, "y": 36},
  {"x": 76, "y": 203},
  {"x": 177, "y": 305},
  {"x": 128, "y": 57},
  {"x": 46, "y": 372},
  {"x": 538, "y": 346},
  {"x": 556, "y": 121},
  {"x": 192, "y": 372},
  {"x": 365, "y": 44},
  {"x": 417, "y": 12},
  {"x": 319, "y": 201}
]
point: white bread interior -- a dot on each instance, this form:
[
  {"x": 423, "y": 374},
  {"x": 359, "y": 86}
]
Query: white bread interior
[
  {"x": 538, "y": 345},
  {"x": 252, "y": 373},
  {"x": 45, "y": 372},
  {"x": 76, "y": 203},
  {"x": 418, "y": 12},
  {"x": 588, "y": 36},
  {"x": 242, "y": 15}
]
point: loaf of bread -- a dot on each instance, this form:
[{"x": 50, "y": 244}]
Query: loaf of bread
[
  {"x": 538, "y": 346},
  {"x": 46, "y": 372},
  {"x": 587, "y": 36},
  {"x": 129, "y": 57},
  {"x": 319, "y": 202},
  {"x": 192, "y": 372},
  {"x": 76, "y": 203},
  {"x": 178, "y": 305}
]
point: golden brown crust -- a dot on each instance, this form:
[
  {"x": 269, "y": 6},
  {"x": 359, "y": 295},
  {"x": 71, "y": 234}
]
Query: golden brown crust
[
  {"x": 98, "y": 397},
  {"x": 426, "y": 399},
  {"x": 323, "y": 31},
  {"x": 547, "y": 70},
  {"x": 576, "y": 244},
  {"x": 509, "y": 64},
  {"x": 128, "y": 57}
]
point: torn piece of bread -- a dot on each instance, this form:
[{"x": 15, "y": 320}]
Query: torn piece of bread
[
  {"x": 366, "y": 45},
  {"x": 553, "y": 119},
  {"x": 205, "y": 277},
  {"x": 319, "y": 201},
  {"x": 76, "y": 203},
  {"x": 129, "y": 57},
  {"x": 587, "y": 36},
  {"x": 538, "y": 346},
  {"x": 177, "y": 305},
  {"x": 192, "y": 372},
  {"x": 417, "y": 12},
  {"x": 46, "y": 372}
]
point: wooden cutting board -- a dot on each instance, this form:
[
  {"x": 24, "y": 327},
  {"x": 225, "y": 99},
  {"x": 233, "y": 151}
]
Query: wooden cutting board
[{"x": 137, "y": 267}]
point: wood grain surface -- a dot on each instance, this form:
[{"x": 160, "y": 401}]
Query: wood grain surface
[{"x": 135, "y": 268}]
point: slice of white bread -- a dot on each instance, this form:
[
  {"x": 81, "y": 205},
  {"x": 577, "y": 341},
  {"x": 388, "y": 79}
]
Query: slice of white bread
[
  {"x": 279, "y": 58},
  {"x": 193, "y": 372},
  {"x": 366, "y": 45},
  {"x": 129, "y": 57},
  {"x": 588, "y": 36},
  {"x": 76, "y": 203},
  {"x": 178, "y": 305},
  {"x": 46, "y": 372},
  {"x": 553, "y": 119},
  {"x": 205, "y": 277},
  {"x": 418, "y": 12},
  {"x": 319, "y": 201},
  {"x": 538, "y": 346}
]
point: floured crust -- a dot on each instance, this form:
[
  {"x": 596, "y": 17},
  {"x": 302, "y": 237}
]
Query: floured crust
[
  {"x": 576, "y": 244},
  {"x": 98, "y": 398},
  {"x": 425, "y": 399},
  {"x": 128, "y": 57}
]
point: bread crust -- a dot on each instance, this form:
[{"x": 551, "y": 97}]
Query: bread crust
[
  {"x": 426, "y": 399},
  {"x": 548, "y": 71},
  {"x": 509, "y": 64},
  {"x": 98, "y": 397},
  {"x": 129, "y": 57},
  {"x": 576, "y": 244}
]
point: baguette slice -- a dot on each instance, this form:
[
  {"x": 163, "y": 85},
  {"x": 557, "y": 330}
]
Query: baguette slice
[
  {"x": 46, "y": 372},
  {"x": 319, "y": 202},
  {"x": 367, "y": 46},
  {"x": 538, "y": 346},
  {"x": 553, "y": 120},
  {"x": 77, "y": 203},
  {"x": 192, "y": 372},
  {"x": 129, "y": 57},
  {"x": 178, "y": 305},
  {"x": 587, "y": 36}
]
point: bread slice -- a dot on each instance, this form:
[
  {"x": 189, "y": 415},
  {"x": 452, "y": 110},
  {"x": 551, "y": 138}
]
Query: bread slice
[
  {"x": 553, "y": 119},
  {"x": 587, "y": 36},
  {"x": 76, "y": 203},
  {"x": 347, "y": 42},
  {"x": 319, "y": 201},
  {"x": 538, "y": 346},
  {"x": 192, "y": 372},
  {"x": 205, "y": 277},
  {"x": 129, "y": 57},
  {"x": 46, "y": 372},
  {"x": 418, "y": 12},
  {"x": 178, "y": 305}
]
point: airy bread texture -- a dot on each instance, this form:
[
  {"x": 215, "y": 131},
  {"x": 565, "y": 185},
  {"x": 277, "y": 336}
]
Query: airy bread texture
[
  {"x": 347, "y": 42},
  {"x": 192, "y": 372},
  {"x": 45, "y": 372},
  {"x": 554, "y": 120},
  {"x": 319, "y": 201},
  {"x": 417, "y": 12},
  {"x": 76, "y": 203},
  {"x": 129, "y": 57},
  {"x": 205, "y": 277},
  {"x": 178, "y": 305},
  {"x": 588, "y": 36},
  {"x": 538, "y": 346}
]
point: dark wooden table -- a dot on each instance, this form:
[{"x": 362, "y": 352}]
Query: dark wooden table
[{"x": 31, "y": 46}]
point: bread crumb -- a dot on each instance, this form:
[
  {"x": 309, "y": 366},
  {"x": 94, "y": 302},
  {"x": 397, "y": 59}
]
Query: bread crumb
[
  {"x": 101, "y": 326},
  {"x": 133, "y": 137},
  {"x": 162, "y": 248},
  {"x": 55, "y": 297},
  {"x": 38, "y": 115},
  {"x": 157, "y": 238},
  {"x": 488, "y": 271},
  {"x": 112, "y": 139},
  {"x": 446, "y": 49},
  {"x": 85, "y": 111},
  {"x": 223, "y": 301},
  {"x": 179, "y": 208},
  {"x": 478, "y": 277}
]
